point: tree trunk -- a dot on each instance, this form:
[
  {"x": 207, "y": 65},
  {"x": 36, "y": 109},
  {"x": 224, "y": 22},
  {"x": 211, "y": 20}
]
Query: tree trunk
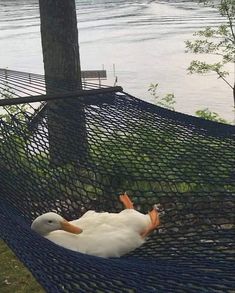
[{"x": 66, "y": 118}]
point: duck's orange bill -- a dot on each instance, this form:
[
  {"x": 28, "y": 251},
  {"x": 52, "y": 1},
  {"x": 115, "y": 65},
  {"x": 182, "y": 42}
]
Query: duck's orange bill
[{"x": 70, "y": 228}]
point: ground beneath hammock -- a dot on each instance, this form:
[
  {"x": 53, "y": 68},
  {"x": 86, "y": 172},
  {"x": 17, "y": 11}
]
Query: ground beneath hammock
[{"x": 14, "y": 277}]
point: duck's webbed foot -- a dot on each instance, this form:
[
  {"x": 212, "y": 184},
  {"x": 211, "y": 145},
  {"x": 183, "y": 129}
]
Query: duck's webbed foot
[
  {"x": 124, "y": 198},
  {"x": 155, "y": 222}
]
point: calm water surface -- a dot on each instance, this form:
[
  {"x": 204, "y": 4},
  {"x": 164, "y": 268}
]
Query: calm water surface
[{"x": 144, "y": 39}]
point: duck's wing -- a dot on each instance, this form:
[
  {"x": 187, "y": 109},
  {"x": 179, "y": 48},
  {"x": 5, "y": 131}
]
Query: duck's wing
[
  {"x": 92, "y": 219},
  {"x": 129, "y": 218},
  {"x": 107, "y": 242},
  {"x": 103, "y": 241}
]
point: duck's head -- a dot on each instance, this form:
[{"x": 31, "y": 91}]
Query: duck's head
[{"x": 50, "y": 222}]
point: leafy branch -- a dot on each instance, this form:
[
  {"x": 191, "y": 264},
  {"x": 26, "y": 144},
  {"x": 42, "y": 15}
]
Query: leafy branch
[
  {"x": 168, "y": 101},
  {"x": 219, "y": 41}
]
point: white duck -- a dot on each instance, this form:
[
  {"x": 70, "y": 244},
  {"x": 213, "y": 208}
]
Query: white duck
[{"x": 100, "y": 234}]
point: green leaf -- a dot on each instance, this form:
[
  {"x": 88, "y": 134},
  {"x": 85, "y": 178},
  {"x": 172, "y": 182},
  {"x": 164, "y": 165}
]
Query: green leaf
[{"x": 208, "y": 115}]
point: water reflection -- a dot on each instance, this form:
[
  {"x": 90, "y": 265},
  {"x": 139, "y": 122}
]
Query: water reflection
[{"x": 145, "y": 40}]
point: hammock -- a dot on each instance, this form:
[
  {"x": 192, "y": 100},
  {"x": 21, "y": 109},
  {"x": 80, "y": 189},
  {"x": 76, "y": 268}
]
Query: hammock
[{"x": 84, "y": 150}]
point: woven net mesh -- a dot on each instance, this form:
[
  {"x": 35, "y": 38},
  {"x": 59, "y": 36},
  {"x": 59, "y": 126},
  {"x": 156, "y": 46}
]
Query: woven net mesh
[{"x": 78, "y": 154}]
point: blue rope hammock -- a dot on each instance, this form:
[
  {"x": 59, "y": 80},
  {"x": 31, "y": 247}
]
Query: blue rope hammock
[{"x": 81, "y": 152}]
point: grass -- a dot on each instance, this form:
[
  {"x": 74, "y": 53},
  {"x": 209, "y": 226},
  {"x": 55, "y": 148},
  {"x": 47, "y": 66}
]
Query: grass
[{"x": 14, "y": 277}]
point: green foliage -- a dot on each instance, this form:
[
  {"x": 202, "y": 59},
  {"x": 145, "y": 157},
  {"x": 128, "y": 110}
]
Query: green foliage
[
  {"x": 208, "y": 115},
  {"x": 167, "y": 101},
  {"x": 11, "y": 110},
  {"x": 218, "y": 41},
  {"x": 9, "y": 139},
  {"x": 224, "y": 6},
  {"x": 201, "y": 67}
]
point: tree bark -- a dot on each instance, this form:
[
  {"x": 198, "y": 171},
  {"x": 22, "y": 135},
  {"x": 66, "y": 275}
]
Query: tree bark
[{"x": 66, "y": 118}]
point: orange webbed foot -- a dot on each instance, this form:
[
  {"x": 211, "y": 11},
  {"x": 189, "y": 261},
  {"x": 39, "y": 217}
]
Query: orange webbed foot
[
  {"x": 124, "y": 198},
  {"x": 155, "y": 222}
]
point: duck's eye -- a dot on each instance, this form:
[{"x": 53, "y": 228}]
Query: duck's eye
[{"x": 50, "y": 221}]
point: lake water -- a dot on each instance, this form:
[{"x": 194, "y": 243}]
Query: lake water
[{"x": 143, "y": 38}]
